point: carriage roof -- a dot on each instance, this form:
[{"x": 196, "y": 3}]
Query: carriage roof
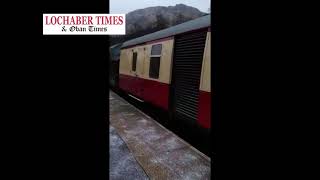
[{"x": 195, "y": 24}]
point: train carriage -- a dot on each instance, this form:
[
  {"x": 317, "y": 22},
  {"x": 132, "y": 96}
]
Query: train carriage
[
  {"x": 171, "y": 70},
  {"x": 114, "y": 59}
]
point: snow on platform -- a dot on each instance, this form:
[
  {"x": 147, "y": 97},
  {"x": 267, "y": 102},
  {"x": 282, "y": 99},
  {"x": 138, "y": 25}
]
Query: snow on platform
[
  {"x": 122, "y": 163},
  {"x": 160, "y": 153}
]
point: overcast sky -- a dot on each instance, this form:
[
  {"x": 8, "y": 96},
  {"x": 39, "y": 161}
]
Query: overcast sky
[{"x": 125, "y": 6}]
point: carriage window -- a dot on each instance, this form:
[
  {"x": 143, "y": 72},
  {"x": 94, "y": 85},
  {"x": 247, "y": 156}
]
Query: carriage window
[
  {"x": 155, "y": 61},
  {"x": 134, "y": 61},
  {"x": 156, "y": 49}
]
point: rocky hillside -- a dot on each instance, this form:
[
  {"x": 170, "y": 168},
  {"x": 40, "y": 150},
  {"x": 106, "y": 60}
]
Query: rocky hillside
[{"x": 151, "y": 19}]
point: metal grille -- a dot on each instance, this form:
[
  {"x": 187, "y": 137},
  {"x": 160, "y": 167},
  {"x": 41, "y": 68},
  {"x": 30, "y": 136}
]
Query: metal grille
[{"x": 188, "y": 57}]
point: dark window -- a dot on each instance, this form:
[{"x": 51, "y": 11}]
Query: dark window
[
  {"x": 155, "y": 61},
  {"x": 134, "y": 61},
  {"x": 154, "y": 67}
]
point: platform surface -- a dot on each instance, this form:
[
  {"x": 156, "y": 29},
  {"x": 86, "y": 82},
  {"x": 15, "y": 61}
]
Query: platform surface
[
  {"x": 159, "y": 152},
  {"x": 122, "y": 163}
]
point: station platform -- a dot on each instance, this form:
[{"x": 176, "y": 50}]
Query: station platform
[{"x": 149, "y": 150}]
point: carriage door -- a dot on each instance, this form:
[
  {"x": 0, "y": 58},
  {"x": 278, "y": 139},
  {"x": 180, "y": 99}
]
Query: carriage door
[
  {"x": 138, "y": 71},
  {"x": 187, "y": 63}
]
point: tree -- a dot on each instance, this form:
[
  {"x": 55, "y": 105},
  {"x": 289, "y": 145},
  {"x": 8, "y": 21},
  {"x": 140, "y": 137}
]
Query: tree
[
  {"x": 180, "y": 19},
  {"x": 161, "y": 22}
]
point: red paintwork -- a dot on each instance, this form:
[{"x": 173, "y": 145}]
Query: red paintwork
[
  {"x": 150, "y": 42},
  {"x": 136, "y": 45},
  {"x": 193, "y": 31},
  {"x": 168, "y": 37},
  {"x": 160, "y": 40},
  {"x": 154, "y": 92},
  {"x": 204, "y": 112}
]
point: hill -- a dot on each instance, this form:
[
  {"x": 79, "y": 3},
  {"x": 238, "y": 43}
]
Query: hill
[{"x": 152, "y": 19}]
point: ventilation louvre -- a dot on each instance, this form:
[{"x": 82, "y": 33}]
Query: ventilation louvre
[{"x": 188, "y": 55}]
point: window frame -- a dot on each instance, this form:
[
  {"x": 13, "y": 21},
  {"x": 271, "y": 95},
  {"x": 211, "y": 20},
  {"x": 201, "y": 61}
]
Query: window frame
[
  {"x": 159, "y": 55},
  {"x": 136, "y": 60},
  {"x": 156, "y": 56}
]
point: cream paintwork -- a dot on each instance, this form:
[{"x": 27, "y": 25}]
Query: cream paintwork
[
  {"x": 143, "y": 61},
  {"x": 205, "y": 84}
]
